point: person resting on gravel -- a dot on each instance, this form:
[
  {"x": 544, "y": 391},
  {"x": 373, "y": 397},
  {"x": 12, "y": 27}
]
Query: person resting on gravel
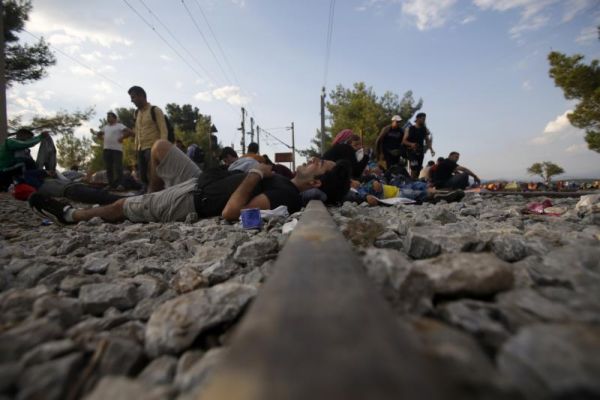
[
  {"x": 212, "y": 193},
  {"x": 418, "y": 191},
  {"x": 449, "y": 175}
]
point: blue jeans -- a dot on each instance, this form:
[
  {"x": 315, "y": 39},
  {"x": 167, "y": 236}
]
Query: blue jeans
[{"x": 414, "y": 190}]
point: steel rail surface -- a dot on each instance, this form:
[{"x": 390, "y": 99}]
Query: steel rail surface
[
  {"x": 319, "y": 330},
  {"x": 539, "y": 194}
]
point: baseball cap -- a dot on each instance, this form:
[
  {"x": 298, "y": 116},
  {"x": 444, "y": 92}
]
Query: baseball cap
[{"x": 396, "y": 118}]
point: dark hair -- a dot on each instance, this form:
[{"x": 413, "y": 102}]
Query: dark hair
[
  {"x": 439, "y": 159},
  {"x": 453, "y": 153},
  {"x": 336, "y": 182},
  {"x": 227, "y": 151},
  {"x": 24, "y": 131},
  {"x": 430, "y": 163},
  {"x": 137, "y": 90},
  {"x": 267, "y": 160},
  {"x": 253, "y": 148},
  {"x": 112, "y": 114},
  {"x": 419, "y": 115}
]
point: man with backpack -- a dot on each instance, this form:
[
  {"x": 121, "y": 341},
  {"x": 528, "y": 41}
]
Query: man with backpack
[
  {"x": 212, "y": 193},
  {"x": 150, "y": 126}
]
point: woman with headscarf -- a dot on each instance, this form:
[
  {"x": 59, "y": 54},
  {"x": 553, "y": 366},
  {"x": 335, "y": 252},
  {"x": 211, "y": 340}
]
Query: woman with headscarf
[{"x": 347, "y": 146}]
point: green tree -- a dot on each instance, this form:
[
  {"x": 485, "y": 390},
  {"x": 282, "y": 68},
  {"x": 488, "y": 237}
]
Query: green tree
[
  {"x": 24, "y": 63},
  {"x": 362, "y": 110},
  {"x": 546, "y": 170},
  {"x": 183, "y": 117},
  {"x": 72, "y": 150},
  {"x": 580, "y": 81}
]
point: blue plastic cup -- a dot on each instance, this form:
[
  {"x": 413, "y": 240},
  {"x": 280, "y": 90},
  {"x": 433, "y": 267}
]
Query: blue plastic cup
[{"x": 251, "y": 218}]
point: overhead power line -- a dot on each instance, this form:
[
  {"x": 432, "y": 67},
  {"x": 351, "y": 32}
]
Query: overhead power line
[
  {"x": 190, "y": 54},
  {"x": 78, "y": 61},
  {"x": 328, "y": 40},
  {"x": 227, "y": 79},
  {"x": 162, "y": 38}
]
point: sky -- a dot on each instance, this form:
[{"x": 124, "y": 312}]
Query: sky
[{"x": 480, "y": 67}]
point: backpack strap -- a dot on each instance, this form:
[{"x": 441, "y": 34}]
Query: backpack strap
[{"x": 153, "y": 113}]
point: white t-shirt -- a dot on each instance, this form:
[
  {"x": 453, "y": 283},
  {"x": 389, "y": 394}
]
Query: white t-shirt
[{"x": 112, "y": 133}]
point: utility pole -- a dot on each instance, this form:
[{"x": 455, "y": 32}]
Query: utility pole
[
  {"x": 243, "y": 129},
  {"x": 322, "y": 121},
  {"x": 251, "y": 129},
  {"x": 3, "y": 122},
  {"x": 258, "y": 135},
  {"x": 293, "y": 150}
]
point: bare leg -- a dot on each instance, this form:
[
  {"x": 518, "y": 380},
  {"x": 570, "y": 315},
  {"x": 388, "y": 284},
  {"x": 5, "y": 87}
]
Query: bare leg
[
  {"x": 110, "y": 213},
  {"x": 158, "y": 153}
]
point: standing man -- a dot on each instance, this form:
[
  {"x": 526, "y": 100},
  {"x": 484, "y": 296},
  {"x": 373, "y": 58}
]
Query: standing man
[
  {"x": 150, "y": 125},
  {"x": 415, "y": 137},
  {"x": 112, "y": 136},
  {"x": 389, "y": 143}
]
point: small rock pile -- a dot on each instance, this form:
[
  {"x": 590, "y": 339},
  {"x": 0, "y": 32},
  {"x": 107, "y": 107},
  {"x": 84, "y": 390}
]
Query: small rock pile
[
  {"x": 508, "y": 304},
  {"x": 121, "y": 311}
]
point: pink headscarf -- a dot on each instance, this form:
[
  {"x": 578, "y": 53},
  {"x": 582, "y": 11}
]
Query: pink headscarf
[{"x": 343, "y": 137}]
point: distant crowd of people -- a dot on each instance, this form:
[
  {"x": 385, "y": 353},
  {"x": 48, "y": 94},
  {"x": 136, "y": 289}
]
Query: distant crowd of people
[{"x": 172, "y": 180}]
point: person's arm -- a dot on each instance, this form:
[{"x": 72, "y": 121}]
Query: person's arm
[
  {"x": 160, "y": 122},
  {"x": 429, "y": 141},
  {"x": 14, "y": 144},
  {"x": 460, "y": 168},
  {"x": 240, "y": 198},
  {"x": 127, "y": 132},
  {"x": 405, "y": 141},
  {"x": 99, "y": 134}
]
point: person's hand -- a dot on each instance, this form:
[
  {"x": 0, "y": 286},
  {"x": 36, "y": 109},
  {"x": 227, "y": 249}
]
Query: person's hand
[
  {"x": 120, "y": 139},
  {"x": 354, "y": 183},
  {"x": 372, "y": 200}
]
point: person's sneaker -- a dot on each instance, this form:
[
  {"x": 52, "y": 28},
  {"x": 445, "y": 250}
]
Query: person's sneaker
[
  {"x": 449, "y": 197},
  {"x": 48, "y": 207}
]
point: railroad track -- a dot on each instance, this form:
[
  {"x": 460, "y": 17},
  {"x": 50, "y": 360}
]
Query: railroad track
[{"x": 319, "y": 330}]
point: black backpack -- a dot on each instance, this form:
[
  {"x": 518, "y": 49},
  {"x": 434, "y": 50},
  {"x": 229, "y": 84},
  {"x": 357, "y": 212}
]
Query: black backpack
[{"x": 170, "y": 129}]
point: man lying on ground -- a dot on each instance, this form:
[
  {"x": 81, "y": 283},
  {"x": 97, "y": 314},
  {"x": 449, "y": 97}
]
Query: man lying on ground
[
  {"x": 207, "y": 194},
  {"x": 449, "y": 175}
]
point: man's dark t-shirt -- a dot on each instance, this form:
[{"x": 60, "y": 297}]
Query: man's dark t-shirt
[
  {"x": 343, "y": 151},
  {"x": 210, "y": 200},
  {"x": 393, "y": 139},
  {"x": 417, "y": 135},
  {"x": 443, "y": 171}
]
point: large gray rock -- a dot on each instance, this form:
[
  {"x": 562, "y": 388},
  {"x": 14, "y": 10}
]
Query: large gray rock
[
  {"x": 510, "y": 247},
  {"x": 65, "y": 310},
  {"x": 256, "y": 251},
  {"x": 187, "y": 279},
  {"x": 429, "y": 241},
  {"x": 18, "y": 340},
  {"x": 407, "y": 289},
  {"x": 97, "y": 297},
  {"x": 462, "y": 361},
  {"x": 16, "y": 304},
  {"x": 120, "y": 357},
  {"x": 554, "y": 361},
  {"x": 176, "y": 323},
  {"x": 570, "y": 266},
  {"x": 50, "y": 380},
  {"x": 48, "y": 351},
  {"x": 222, "y": 270},
  {"x": 480, "y": 319},
  {"x": 476, "y": 274},
  {"x": 200, "y": 371},
  {"x": 32, "y": 274},
  {"x": 121, "y": 388},
  {"x": 160, "y": 371}
]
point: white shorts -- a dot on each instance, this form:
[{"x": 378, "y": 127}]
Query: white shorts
[{"x": 173, "y": 203}]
